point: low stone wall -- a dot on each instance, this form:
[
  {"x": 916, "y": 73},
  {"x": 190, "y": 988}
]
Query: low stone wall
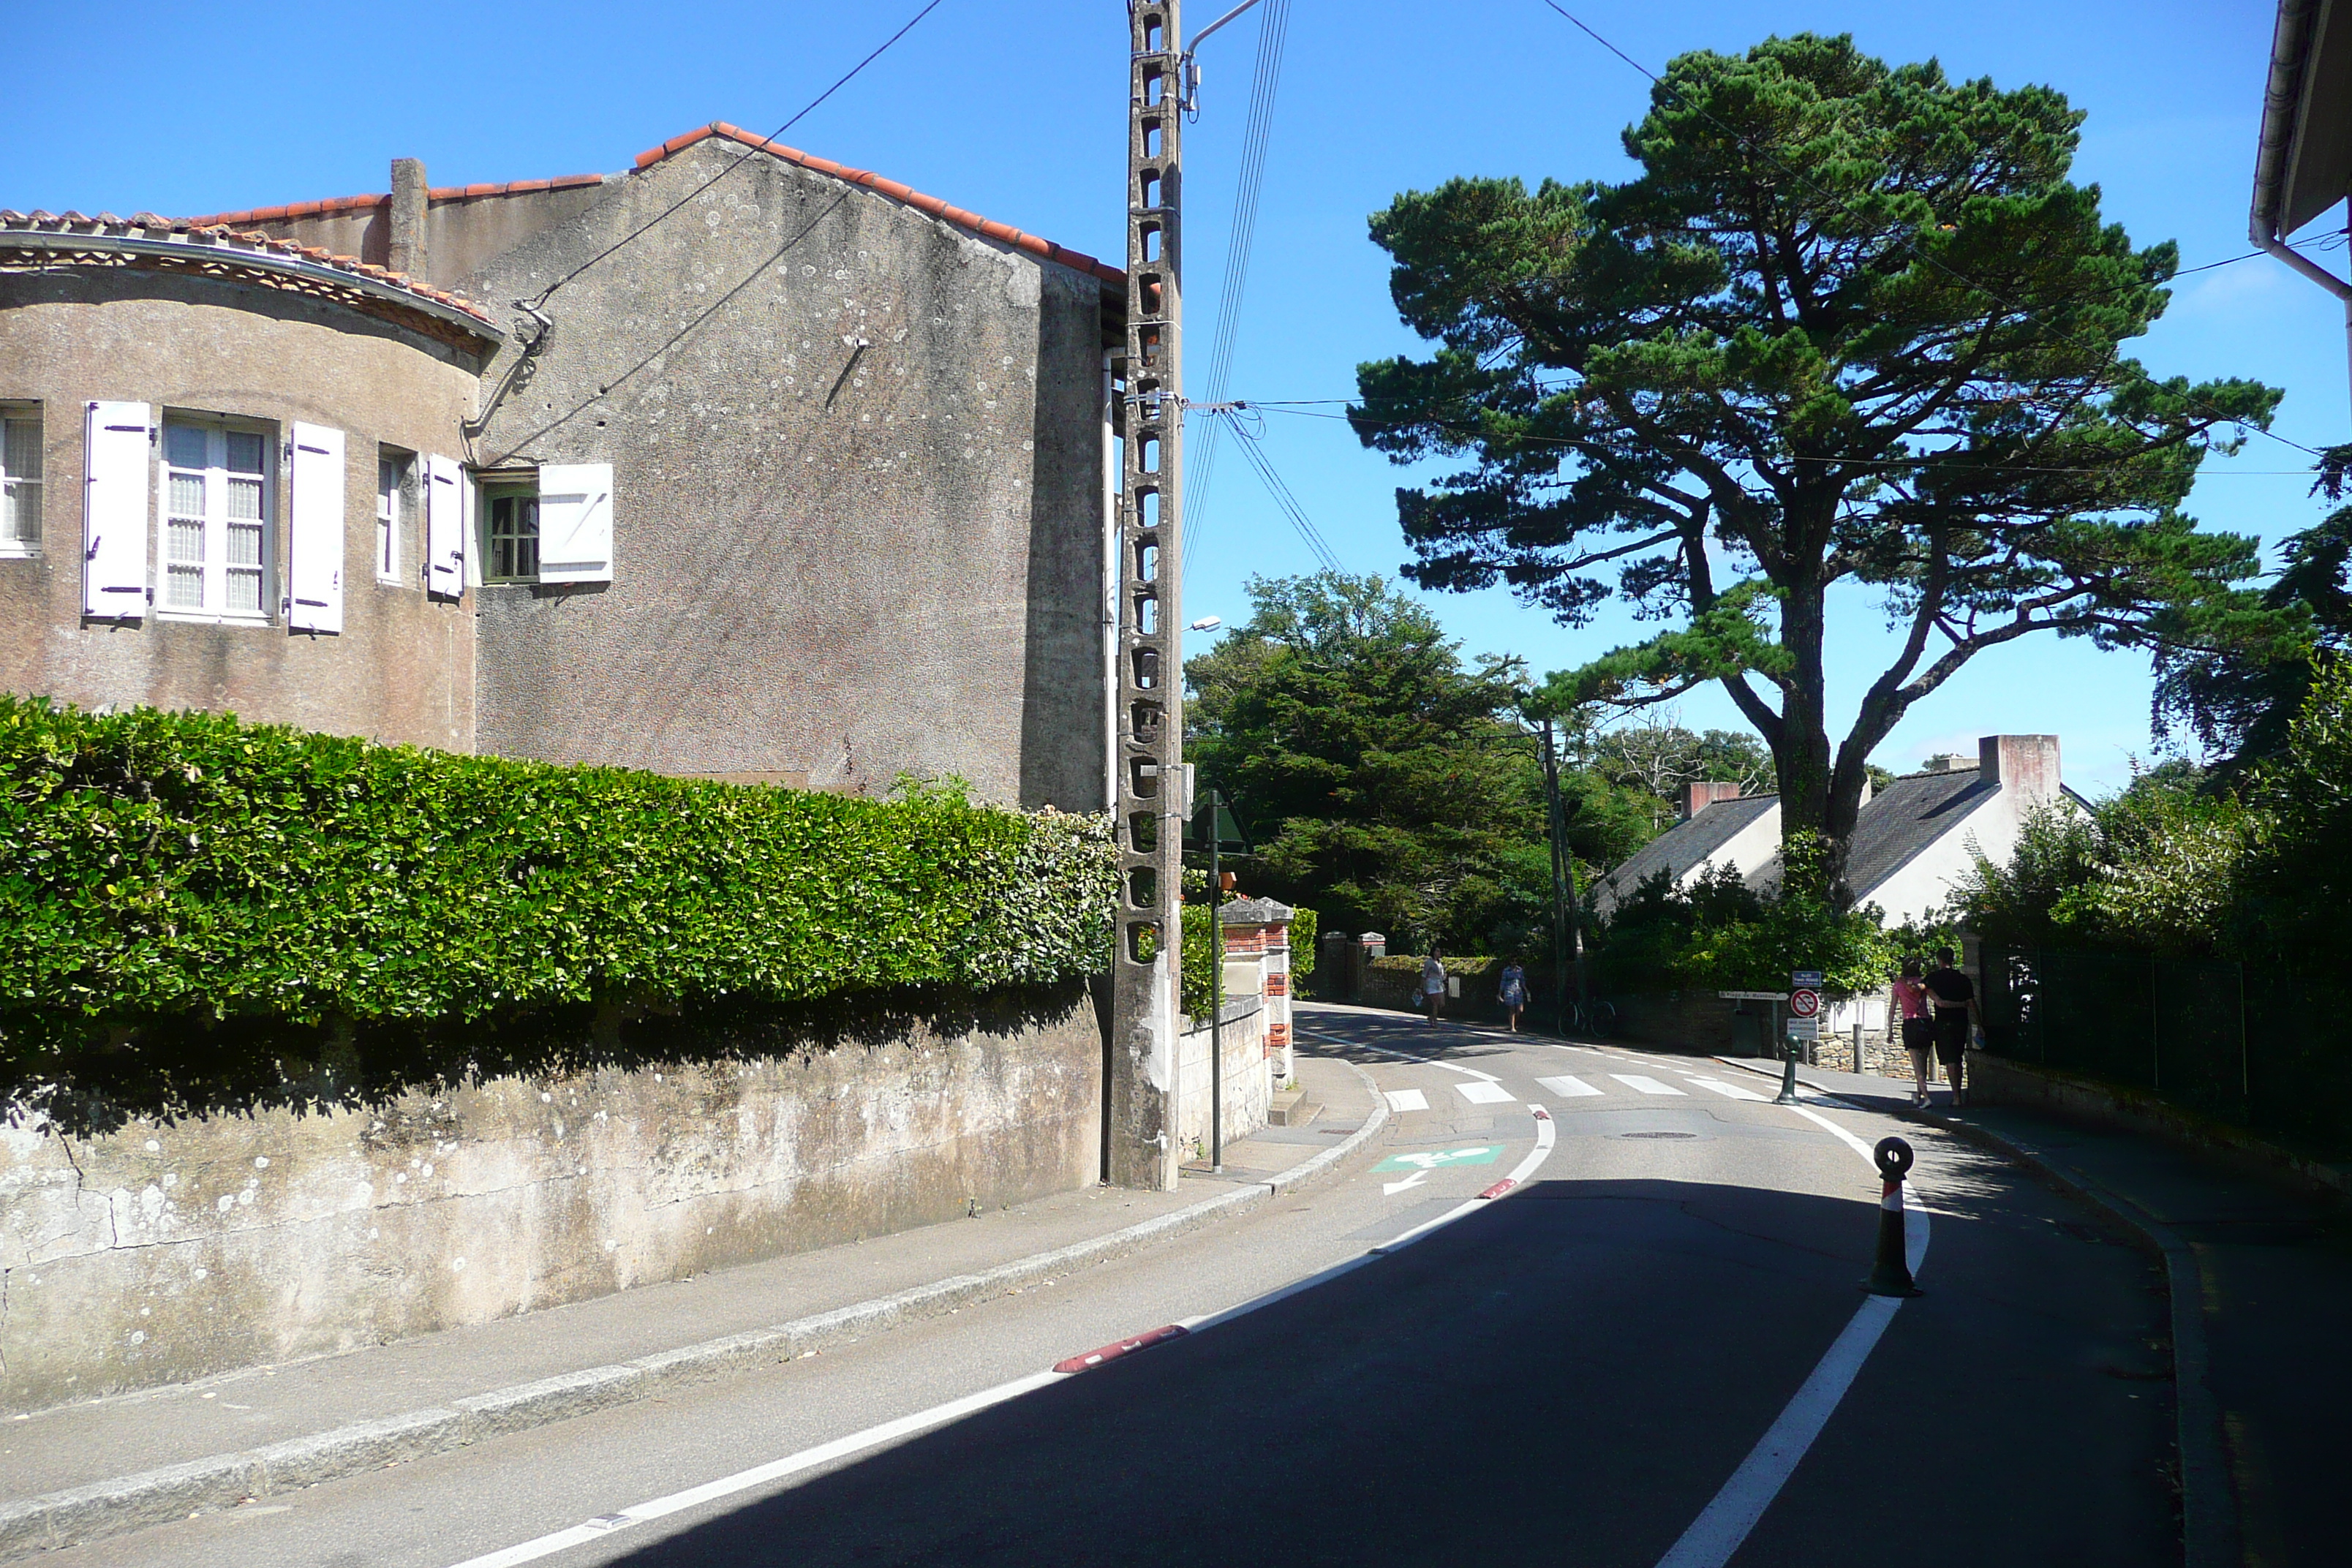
[
  {"x": 165, "y": 1252},
  {"x": 1248, "y": 1074}
]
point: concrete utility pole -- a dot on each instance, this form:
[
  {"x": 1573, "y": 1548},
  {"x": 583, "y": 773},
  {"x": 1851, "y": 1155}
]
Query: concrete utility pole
[{"x": 1145, "y": 1057}]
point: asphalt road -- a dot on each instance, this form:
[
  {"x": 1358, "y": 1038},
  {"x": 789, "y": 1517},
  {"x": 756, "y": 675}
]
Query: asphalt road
[{"x": 1571, "y": 1374}]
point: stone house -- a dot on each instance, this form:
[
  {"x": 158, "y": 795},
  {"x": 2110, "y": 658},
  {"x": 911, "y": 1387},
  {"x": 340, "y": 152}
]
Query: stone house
[{"x": 738, "y": 464}]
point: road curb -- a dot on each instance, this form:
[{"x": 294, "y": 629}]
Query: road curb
[
  {"x": 2208, "y": 1499},
  {"x": 114, "y": 1506}
]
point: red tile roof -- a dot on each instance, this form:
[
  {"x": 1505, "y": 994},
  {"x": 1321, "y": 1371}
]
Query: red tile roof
[
  {"x": 1005, "y": 234},
  {"x": 1079, "y": 260},
  {"x": 221, "y": 238}
]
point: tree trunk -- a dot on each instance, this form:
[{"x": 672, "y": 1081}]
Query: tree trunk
[{"x": 1810, "y": 805}]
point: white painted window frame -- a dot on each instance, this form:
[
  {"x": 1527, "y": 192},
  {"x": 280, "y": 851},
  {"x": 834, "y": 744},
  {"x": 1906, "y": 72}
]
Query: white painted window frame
[
  {"x": 391, "y": 508},
  {"x": 21, "y": 493},
  {"x": 215, "y": 567}
]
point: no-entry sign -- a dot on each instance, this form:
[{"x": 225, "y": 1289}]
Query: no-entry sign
[{"x": 1804, "y": 1004}]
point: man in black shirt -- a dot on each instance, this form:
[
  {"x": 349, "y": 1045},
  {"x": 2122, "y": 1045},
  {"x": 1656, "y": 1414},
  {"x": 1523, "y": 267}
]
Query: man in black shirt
[{"x": 1954, "y": 999}]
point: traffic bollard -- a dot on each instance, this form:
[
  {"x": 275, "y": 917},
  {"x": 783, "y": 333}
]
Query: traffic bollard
[
  {"x": 1891, "y": 1275},
  {"x": 1787, "y": 1095}
]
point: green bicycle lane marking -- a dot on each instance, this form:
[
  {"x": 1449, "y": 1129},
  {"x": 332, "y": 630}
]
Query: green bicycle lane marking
[{"x": 1440, "y": 1159}]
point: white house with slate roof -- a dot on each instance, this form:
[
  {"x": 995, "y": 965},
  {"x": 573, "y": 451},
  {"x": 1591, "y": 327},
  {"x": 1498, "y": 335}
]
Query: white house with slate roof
[{"x": 1914, "y": 841}]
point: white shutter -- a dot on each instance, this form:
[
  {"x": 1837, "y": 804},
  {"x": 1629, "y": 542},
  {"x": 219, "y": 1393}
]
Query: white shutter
[
  {"x": 444, "y": 527},
  {"x": 315, "y": 535},
  {"x": 575, "y": 523},
  {"x": 116, "y": 474}
]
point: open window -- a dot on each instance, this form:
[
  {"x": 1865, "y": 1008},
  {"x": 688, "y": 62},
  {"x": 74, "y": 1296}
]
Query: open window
[
  {"x": 550, "y": 525},
  {"x": 397, "y": 482}
]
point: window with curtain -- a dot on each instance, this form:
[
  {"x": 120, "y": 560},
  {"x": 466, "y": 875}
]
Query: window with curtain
[
  {"x": 216, "y": 508},
  {"x": 20, "y": 479}
]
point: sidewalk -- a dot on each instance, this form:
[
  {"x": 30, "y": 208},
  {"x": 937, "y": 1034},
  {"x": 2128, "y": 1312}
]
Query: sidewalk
[
  {"x": 136, "y": 1458},
  {"x": 2262, "y": 1276}
]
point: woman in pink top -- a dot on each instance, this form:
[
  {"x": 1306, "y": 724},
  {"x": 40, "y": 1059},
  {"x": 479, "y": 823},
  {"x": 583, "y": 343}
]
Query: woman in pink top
[{"x": 1919, "y": 1029}]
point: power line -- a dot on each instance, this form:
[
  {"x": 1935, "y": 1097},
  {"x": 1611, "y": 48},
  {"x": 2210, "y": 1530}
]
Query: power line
[
  {"x": 1274, "y": 23},
  {"x": 1909, "y": 241},
  {"x": 806, "y": 110},
  {"x": 1287, "y": 501}
]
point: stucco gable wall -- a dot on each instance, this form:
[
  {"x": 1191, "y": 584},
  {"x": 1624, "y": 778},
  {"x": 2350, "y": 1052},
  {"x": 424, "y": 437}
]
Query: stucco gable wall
[
  {"x": 1922, "y": 884},
  {"x": 1748, "y": 849},
  {"x": 831, "y": 560}
]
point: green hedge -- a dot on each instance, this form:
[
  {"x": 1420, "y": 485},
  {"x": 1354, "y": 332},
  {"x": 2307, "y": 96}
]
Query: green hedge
[{"x": 162, "y": 868}]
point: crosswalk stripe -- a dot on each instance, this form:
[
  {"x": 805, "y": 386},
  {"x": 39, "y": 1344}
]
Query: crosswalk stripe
[
  {"x": 1646, "y": 1085},
  {"x": 1481, "y": 1092},
  {"x": 1568, "y": 1087},
  {"x": 1407, "y": 1099},
  {"x": 1728, "y": 1090}
]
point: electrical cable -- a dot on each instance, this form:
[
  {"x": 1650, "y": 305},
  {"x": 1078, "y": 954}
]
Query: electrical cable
[
  {"x": 1248, "y": 439},
  {"x": 1274, "y": 25},
  {"x": 1910, "y": 242},
  {"x": 806, "y": 110}
]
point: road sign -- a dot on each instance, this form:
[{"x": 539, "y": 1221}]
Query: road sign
[
  {"x": 1804, "y": 1004},
  {"x": 1805, "y": 980},
  {"x": 1753, "y": 996},
  {"x": 1437, "y": 1158},
  {"x": 1804, "y": 1029}
]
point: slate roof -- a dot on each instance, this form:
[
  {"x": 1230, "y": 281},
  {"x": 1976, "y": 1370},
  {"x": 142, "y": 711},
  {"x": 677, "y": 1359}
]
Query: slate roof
[
  {"x": 1005, "y": 232},
  {"x": 1901, "y": 820},
  {"x": 1682, "y": 846}
]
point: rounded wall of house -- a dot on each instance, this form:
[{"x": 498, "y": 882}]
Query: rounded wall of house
[{"x": 225, "y": 370}]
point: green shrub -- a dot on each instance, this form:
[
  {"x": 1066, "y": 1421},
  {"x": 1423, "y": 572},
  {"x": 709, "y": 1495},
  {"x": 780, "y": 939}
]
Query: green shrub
[
  {"x": 1304, "y": 954},
  {"x": 162, "y": 872},
  {"x": 1716, "y": 933}
]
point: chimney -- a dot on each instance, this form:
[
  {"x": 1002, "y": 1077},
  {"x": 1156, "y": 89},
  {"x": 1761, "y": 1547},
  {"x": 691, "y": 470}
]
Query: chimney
[
  {"x": 407, "y": 252},
  {"x": 2026, "y": 763},
  {"x": 1697, "y": 798}
]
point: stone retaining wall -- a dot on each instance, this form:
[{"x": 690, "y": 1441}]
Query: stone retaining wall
[
  {"x": 1248, "y": 1074},
  {"x": 166, "y": 1252}
]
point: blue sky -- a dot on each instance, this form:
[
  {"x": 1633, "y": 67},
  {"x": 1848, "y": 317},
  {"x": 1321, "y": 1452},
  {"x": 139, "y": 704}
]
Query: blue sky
[{"x": 1015, "y": 111}]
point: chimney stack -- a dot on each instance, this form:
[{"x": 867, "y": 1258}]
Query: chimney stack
[
  {"x": 1697, "y": 798},
  {"x": 405, "y": 253},
  {"x": 2026, "y": 763}
]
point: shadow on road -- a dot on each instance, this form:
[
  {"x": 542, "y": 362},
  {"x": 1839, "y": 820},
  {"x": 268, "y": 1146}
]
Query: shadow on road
[{"x": 1567, "y": 1376}]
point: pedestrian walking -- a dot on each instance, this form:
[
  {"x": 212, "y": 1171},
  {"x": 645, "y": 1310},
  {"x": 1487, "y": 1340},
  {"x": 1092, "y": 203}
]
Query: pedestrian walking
[
  {"x": 1955, "y": 1000},
  {"x": 1433, "y": 984},
  {"x": 1514, "y": 993},
  {"x": 1919, "y": 1029}
]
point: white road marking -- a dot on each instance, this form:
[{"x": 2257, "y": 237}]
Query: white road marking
[
  {"x": 1547, "y": 1134},
  {"x": 1646, "y": 1085},
  {"x": 1407, "y": 1099},
  {"x": 1728, "y": 1090},
  {"x": 1484, "y": 1093},
  {"x": 1568, "y": 1087},
  {"x": 762, "y": 1475},
  {"x": 1722, "y": 1527},
  {"x": 1390, "y": 1189},
  {"x": 1400, "y": 1055}
]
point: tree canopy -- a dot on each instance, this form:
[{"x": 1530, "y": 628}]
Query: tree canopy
[
  {"x": 2241, "y": 701},
  {"x": 1852, "y": 324},
  {"x": 1382, "y": 780}
]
